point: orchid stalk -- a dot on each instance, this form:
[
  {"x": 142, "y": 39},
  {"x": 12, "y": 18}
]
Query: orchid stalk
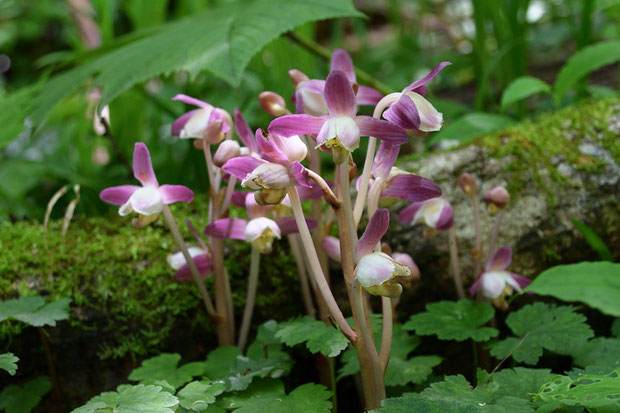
[{"x": 250, "y": 298}]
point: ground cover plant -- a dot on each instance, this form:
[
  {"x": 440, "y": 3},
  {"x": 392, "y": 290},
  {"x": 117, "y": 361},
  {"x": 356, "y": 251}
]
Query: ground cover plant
[{"x": 322, "y": 171}]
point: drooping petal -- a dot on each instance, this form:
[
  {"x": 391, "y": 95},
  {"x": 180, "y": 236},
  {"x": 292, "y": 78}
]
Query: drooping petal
[
  {"x": 403, "y": 113},
  {"x": 408, "y": 215},
  {"x": 118, "y": 195},
  {"x": 339, "y": 95},
  {"x": 203, "y": 263},
  {"x": 244, "y": 132},
  {"x": 177, "y": 259},
  {"x": 375, "y": 230},
  {"x": 331, "y": 246},
  {"x": 500, "y": 260},
  {"x": 475, "y": 286},
  {"x": 300, "y": 173},
  {"x": 368, "y": 96},
  {"x": 142, "y": 166},
  {"x": 288, "y": 225},
  {"x": 411, "y": 187},
  {"x": 430, "y": 118},
  {"x": 241, "y": 166},
  {"x": 220, "y": 115},
  {"x": 238, "y": 198},
  {"x": 179, "y": 123},
  {"x": 269, "y": 150},
  {"x": 419, "y": 83},
  {"x": 342, "y": 61},
  {"x": 192, "y": 101},
  {"x": 291, "y": 125},
  {"x": 406, "y": 260},
  {"x": 385, "y": 159},
  {"x": 233, "y": 228},
  {"x": 193, "y": 231},
  {"x": 381, "y": 129},
  {"x": 175, "y": 193},
  {"x": 146, "y": 200},
  {"x": 446, "y": 218},
  {"x": 521, "y": 280}
]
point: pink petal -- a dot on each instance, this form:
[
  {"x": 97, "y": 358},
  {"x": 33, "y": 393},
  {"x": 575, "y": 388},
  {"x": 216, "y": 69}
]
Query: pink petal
[
  {"x": 298, "y": 101},
  {"x": 313, "y": 191},
  {"x": 342, "y": 61},
  {"x": 375, "y": 230},
  {"x": 384, "y": 159},
  {"x": 416, "y": 86},
  {"x": 203, "y": 264},
  {"x": 142, "y": 166},
  {"x": 314, "y": 86},
  {"x": 175, "y": 193},
  {"x": 238, "y": 198},
  {"x": 381, "y": 129},
  {"x": 179, "y": 123},
  {"x": 446, "y": 219},
  {"x": 331, "y": 246},
  {"x": 291, "y": 125},
  {"x": 218, "y": 115},
  {"x": 118, "y": 195},
  {"x": 288, "y": 225},
  {"x": 241, "y": 166},
  {"x": 253, "y": 209},
  {"x": 368, "y": 96},
  {"x": 191, "y": 101},
  {"x": 244, "y": 132},
  {"x": 411, "y": 188},
  {"x": 269, "y": 150},
  {"x": 339, "y": 95},
  {"x": 475, "y": 286},
  {"x": 521, "y": 280},
  {"x": 300, "y": 174},
  {"x": 403, "y": 113},
  {"x": 500, "y": 260},
  {"x": 233, "y": 228},
  {"x": 407, "y": 215}
]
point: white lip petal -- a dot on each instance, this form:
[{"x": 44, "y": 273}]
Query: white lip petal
[
  {"x": 314, "y": 103},
  {"x": 195, "y": 126},
  {"x": 494, "y": 283},
  {"x": 430, "y": 119},
  {"x": 177, "y": 260},
  {"x": 146, "y": 201}
]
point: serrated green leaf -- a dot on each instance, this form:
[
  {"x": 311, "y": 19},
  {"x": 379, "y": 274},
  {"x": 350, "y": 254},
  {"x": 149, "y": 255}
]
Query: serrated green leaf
[
  {"x": 22, "y": 399},
  {"x": 588, "y": 390},
  {"x": 583, "y": 62},
  {"x": 596, "y": 284},
  {"x": 267, "y": 333},
  {"x": 132, "y": 399},
  {"x": 470, "y": 126},
  {"x": 542, "y": 326},
  {"x": 599, "y": 351},
  {"x": 522, "y": 88},
  {"x": 165, "y": 367},
  {"x": 319, "y": 338},
  {"x": 8, "y": 362},
  {"x": 34, "y": 311},
  {"x": 593, "y": 240},
  {"x": 221, "y": 40},
  {"x": 520, "y": 381},
  {"x": 451, "y": 320},
  {"x": 198, "y": 395},
  {"x": 401, "y": 372}
]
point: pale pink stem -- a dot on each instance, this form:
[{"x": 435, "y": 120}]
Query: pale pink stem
[
  {"x": 293, "y": 240},
  {"x": 454, "y": 262},
  {"x": 232, "y": 181},
  {"x": 250, "y": 299},
  {"x": 495, "y": 234},
  {"x": 386, "y": 332},
  {"x": 478, "y": 236}
]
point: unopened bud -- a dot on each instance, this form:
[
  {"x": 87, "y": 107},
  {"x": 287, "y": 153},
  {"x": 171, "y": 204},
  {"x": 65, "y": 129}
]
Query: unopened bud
[
  {"x": 213, "y": 133},
  {"x": 468, "y": 184},
  {"x": 297, "y": 76},
  {"x": 228, "y": 149},
  {"x": 405, "y": 259},
  {"x": 497, "y": 198},
  {"x": 269, "y": 196},
  {"x": 100, "y": 121},
  {"x": 272, "y": 103}
]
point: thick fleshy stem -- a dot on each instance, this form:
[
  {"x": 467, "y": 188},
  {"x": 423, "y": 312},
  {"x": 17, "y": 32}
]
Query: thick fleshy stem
[
  {"x": 250, "y": 299},
  {"x": 315, "y": 266},
  {"x": 495, "y": 233},
  {"x": 478, "y": 235},
  {"x": 370, "y": 155},
  {"x": 293, "y": 240},
  {"x": 454, "y": 263},
  {"x": 178, "y": 239}
]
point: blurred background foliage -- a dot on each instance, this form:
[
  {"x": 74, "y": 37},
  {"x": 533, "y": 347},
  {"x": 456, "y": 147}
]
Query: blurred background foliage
[{"x": 491, "y": 43}]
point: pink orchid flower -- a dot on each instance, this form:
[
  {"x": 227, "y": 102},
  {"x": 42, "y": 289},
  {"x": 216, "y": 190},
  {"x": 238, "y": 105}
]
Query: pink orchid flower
[
  {"x": 200, "y": 255},
  {"x": 495, "y": 283},
  {"x": 377, "y": 272},
  {"x": 412, "y": 111},
  {"x": 308, "y": 97},
  {"x": 193, "y": 123},
  {"x": 435, "y": 213},
  {"x": 149, "y": 199},
  {"x": 340, "y": 131}
]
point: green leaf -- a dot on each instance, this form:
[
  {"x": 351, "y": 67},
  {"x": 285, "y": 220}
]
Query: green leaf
[
  {"x": 596, "y": 284},
  {"x": 470, "y": 126},
  {"x": 22, "y": 399},
  {"x": 615, "y": 328},
  {"x": 599, "y": 351},
  {"x": 34, "y": 311},
  {"x": 451, "y": 320},
  {"x": 319, "y": 338},
  {"x": 132, "y": 399},
  {"x": 589, "y": 390},
  {"x": 221, "y": 40},
  {"x": 237, "y": 372},
  {"x": 401, "y": 372},
  {"x": 164, "y": 367},
  {"x": 520, "y": 381},
  {"x": 266, "y": 333},
  {"x": 198, "y": 395},
  {"x": 522, "y": 88},
  {"x": 8, "y": 362},
  {"x": 593, "y": 240},
  {"x": 582, "y": 63},
  {"x": 542, "y": 326}
]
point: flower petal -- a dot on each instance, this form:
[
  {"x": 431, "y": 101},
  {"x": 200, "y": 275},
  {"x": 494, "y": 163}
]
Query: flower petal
[
  {"x": 175, "y": 193},
  {"x": 203, "y": 264},
  {"x": 291, "y": 125},
  {"x": 415, "y": 86},
  {"x": 331, "y": 246},
  {"x": 446, "y": 219},
  {"x": 233, "y": 228},
  {"x": 403, "y": 113},
  {"x": 142, "y": 166},
  {"x": 238, "y": 198},
  {"x": 374, "y": 269},
  {"x": 244, "y": 132},
  {"x": 342, "y": 61},
  {"x": 368, "y": 96},
  {"x": 381, "y": 129},
  {"x": 339, "y": 95},
  {"x": 118, "y": 195},
  {"x": 475, "y": 286},
  {"x": 300, "y": 173},
  {"x": 385, "y": 159},
  {"x": 375, "y": 230},
  {"x": 241, "y": 166},
  {"x": 288, "y": 225},
  {"x": 180, "y": 122},
  {"x": 192, "y": 101},
  {"x": 430, "y": 118},
  {"x": 521, "y": 280},
  {"x": 493, "y": 283},
  {"x": 269, "y": 150},
  {"x": 411, "y": 187},
  {"x": 500, "y": 260},
  {"x": 408, "y": 214}
]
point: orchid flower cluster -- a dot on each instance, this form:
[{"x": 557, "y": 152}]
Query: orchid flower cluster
[{"x": 271, "y": 171}]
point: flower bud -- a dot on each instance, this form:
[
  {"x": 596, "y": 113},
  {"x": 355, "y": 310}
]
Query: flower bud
[
  {"x": 98, "y": 120},
  {"x": 468, "y": 184},
  {"x": 405, "y": 259},
  {"x": 267, "y": 175},
  {"x": 297, "y": 76},
  {"x": 269, "y": 196},
  {"x": 378, "y": 273},
  {"x": 213, "y": 133},
  {"x": 272, "y": 103},
  {"x": 260, "y": 232},
  {"x": 228, "y": 149},
  {"x": 331, "y": 246},
  {"x": 497, "y": 198}
]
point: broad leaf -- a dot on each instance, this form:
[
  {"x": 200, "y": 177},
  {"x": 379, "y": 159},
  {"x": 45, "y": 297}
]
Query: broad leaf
[
  {"x": 401, "y": 372},
  {"x": 451, "y": 320},
  {"x": 319, "y": 338},
  {"x": 588, "y": 390},
  {"x": 34, "y": 311},
  {"x": 596, "y": 284},
  {"x": 132, "y": 399},
  {"x": 593, "y": 240},
  {"x": 22, "y": 399},
  {"x": 582, "y": 63},
  {"x": 520, "y": 381},
  {"x": 522, "y": 88},
  {"x": 615, "y": 328},
  {"x": 266, "y": 333},
  {"x": 221, "y": 40},
  {"x": 542, "y": 326},
  {"x": 600, "y": 351},
  {"x": 8, "y": 362},
  {"x": 198, "y": 395},
  {"x": 470, "y": 126},
  {"x": 165, "y": 367}
]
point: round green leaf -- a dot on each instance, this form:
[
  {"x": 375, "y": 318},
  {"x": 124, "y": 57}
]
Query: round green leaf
[{"x": 521, "y": 88}]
